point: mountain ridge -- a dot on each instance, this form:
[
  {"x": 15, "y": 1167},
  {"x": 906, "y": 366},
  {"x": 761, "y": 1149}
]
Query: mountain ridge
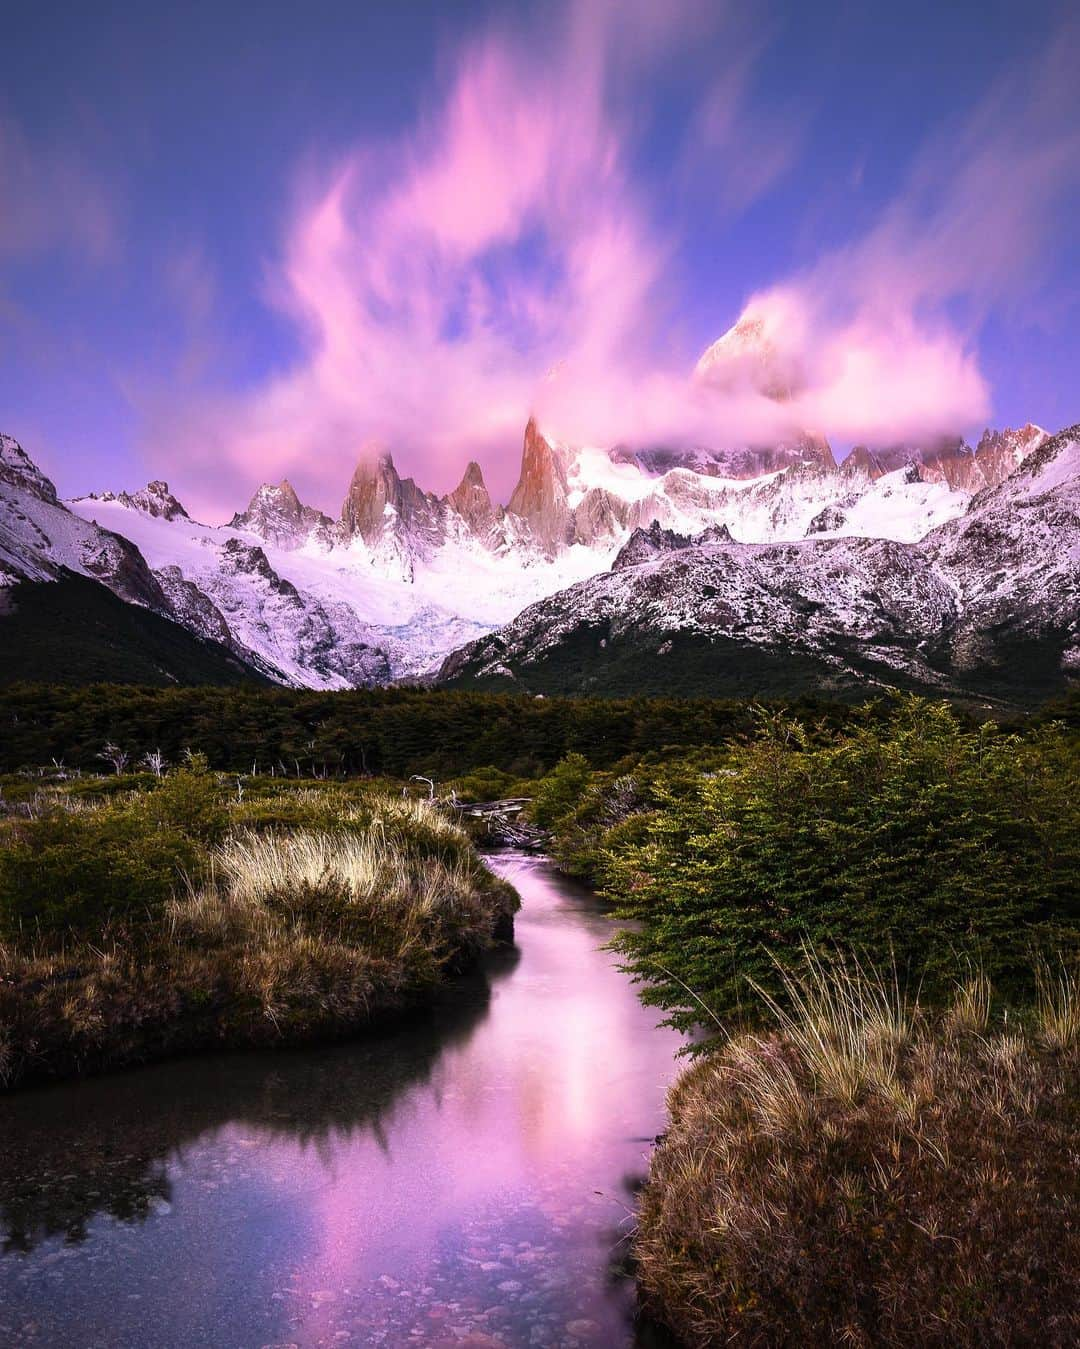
[
  {"x": 971, "y": 609},
  {"x": 403, "y": 577}
]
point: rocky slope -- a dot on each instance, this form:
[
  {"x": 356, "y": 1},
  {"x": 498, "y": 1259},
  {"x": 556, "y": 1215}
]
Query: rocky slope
[
  {"x": 71, "y": 630},
  {"x": 40, "y": 539},
  {"x": 988, "y": 604},
  {"x": 222, "y": 585},
  {"x": 78, "y": 601},
  {"x": 1014, "y": 558},
  {"x": 401, "y": 576}
]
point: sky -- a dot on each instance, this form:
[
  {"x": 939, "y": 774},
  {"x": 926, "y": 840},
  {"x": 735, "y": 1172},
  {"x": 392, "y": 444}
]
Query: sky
[{"x": 241, "y": 242}]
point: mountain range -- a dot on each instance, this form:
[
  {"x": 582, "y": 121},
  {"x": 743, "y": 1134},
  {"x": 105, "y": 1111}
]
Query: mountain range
[
  {"x": 753, "y": 568},
  {"x": 984, "y": 604}
]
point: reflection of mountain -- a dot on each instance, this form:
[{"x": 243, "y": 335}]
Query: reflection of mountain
[{"x": 103, "y": 1146}]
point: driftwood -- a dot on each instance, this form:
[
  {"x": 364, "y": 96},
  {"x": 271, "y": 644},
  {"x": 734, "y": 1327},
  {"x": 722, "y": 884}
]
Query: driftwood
[{"x": 502, "y": 821}]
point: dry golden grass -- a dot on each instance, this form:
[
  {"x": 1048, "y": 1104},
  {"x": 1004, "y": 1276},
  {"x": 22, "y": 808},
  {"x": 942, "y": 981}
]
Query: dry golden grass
[
  {"x": 970, "y": 1009},
  {"x": 255, "y": 865},
  {"x": 289, "y": 936},
  {"x": 870, "y": 1174},
  {"x": 1057, "y": 1008}
]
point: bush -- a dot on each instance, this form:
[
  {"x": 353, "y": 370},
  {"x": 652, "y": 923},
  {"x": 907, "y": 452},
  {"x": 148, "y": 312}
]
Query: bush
[
  {"x": 83, "y": 874},
  {"x": 189, "y": 800},
  {"x": 868, "y": 1175},
  {"x": 560, "y": 792},
  {"x": 87, "y": 867},
  {"x": 916, "y": 839}
]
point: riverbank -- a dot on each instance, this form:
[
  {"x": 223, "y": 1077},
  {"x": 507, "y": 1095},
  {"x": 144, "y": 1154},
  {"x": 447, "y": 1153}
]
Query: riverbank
[
  {"x": 861, "y": 1172},
  {"x": 168, "y": 916},
  {"x": 465, "y": 1177},
  {"x": 869, "y": 1173}
]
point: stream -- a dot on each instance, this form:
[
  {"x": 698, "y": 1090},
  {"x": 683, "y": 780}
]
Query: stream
[{"x": 466, "y": 1180}]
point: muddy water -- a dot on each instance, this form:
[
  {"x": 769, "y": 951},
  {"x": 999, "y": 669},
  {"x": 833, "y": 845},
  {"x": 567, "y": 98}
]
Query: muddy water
[{"x": 465, "y": 1181}]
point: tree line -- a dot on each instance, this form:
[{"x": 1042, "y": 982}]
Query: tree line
[{"x": 393, "y": 732}]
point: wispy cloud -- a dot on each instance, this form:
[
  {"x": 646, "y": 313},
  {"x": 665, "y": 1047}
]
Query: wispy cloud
[
  {"x": 504, "y": 256},
  {"x": 884, "y": 330}
]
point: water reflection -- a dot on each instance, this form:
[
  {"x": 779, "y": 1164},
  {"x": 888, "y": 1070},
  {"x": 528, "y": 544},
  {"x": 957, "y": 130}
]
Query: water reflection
[
  {"x": 464, "y": 1181},
  {"x": 101, "y": 1146}
]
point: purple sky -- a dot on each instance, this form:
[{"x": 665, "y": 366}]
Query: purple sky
[{"x": 240, "y": 243}]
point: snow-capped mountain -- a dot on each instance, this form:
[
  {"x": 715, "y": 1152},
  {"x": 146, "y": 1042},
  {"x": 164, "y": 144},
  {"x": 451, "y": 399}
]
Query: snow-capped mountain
[
  {"x": 1014, "y": 558},
  {"x": 383, "y": 592},
  {"x": 401, "y": 577},
  {"x": 40, "y": 538},
  {"x": 751, "y": 355},
  {"x": 42, "y": 541},
  {"x": 987, "y": 602},
  {"x": 275, "y": 513}
]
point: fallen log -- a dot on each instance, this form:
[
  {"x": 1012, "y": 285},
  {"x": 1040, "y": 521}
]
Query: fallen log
[{"x": 502, "y": 822}]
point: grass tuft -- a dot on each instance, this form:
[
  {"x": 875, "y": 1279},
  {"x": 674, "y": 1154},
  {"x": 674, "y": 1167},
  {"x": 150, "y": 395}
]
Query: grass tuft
[
  {"x": 969, "y": 1011},
  {"x": 847, "y": 1023},
  {"x": 1057, "y": 1006},
  {"x": 870, "y": 1172}
]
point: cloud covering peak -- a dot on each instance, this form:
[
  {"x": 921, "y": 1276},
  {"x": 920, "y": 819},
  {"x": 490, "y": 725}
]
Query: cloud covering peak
[{"x": 505, "y": 255}]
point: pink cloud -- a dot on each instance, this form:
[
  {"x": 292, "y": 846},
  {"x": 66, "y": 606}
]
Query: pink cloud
[
  {"x": 883, "y": 329},
  {"x": 502, "y": 258},
  {"x": 437, "y": 280}
]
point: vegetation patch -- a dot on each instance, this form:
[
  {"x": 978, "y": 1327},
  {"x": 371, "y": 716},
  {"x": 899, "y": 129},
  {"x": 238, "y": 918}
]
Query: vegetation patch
[
  {"x": 914, "y": 837},
  {"x": 298, "y": 733},
  {"x": 175, "y": 916},
  {"x": 76, "y": 631},
  {"x": 867, "y": 1173}
]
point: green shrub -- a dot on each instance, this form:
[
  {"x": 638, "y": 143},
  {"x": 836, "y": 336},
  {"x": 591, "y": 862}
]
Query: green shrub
[
  {"x": 84, "y": 873},
  {"x": 485, "y": 784},
  {"x": 915, "y": 840},
  {"x": 560, "y": 792},
  {"x": 189, "y": 800},
  {"x": 88, "y": 866}
]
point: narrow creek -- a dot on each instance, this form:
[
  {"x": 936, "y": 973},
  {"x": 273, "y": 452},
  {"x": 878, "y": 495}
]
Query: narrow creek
[{"x": 465, "y": 1181}]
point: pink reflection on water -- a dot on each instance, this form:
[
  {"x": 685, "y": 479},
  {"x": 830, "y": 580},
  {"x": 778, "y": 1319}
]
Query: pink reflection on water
[
  {"x": 548, "y": 1101},
  {"x": 462, "y": 1183}
]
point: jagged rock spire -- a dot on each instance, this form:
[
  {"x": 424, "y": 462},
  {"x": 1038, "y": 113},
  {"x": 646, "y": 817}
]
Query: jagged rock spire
[
  {"x": 375, "y": 486},
  {"x": 540, "y": 497},
  {"x": 472, "y": 501}
]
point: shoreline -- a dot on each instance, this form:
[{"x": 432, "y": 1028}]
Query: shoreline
[{"x": 221, "y": 972}]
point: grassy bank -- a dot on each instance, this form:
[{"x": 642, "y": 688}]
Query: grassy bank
[
  {"x": 844, "y": 1166},
  {"x": 870, "y": 1173},
  {"x": 141, "y": 917}
]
